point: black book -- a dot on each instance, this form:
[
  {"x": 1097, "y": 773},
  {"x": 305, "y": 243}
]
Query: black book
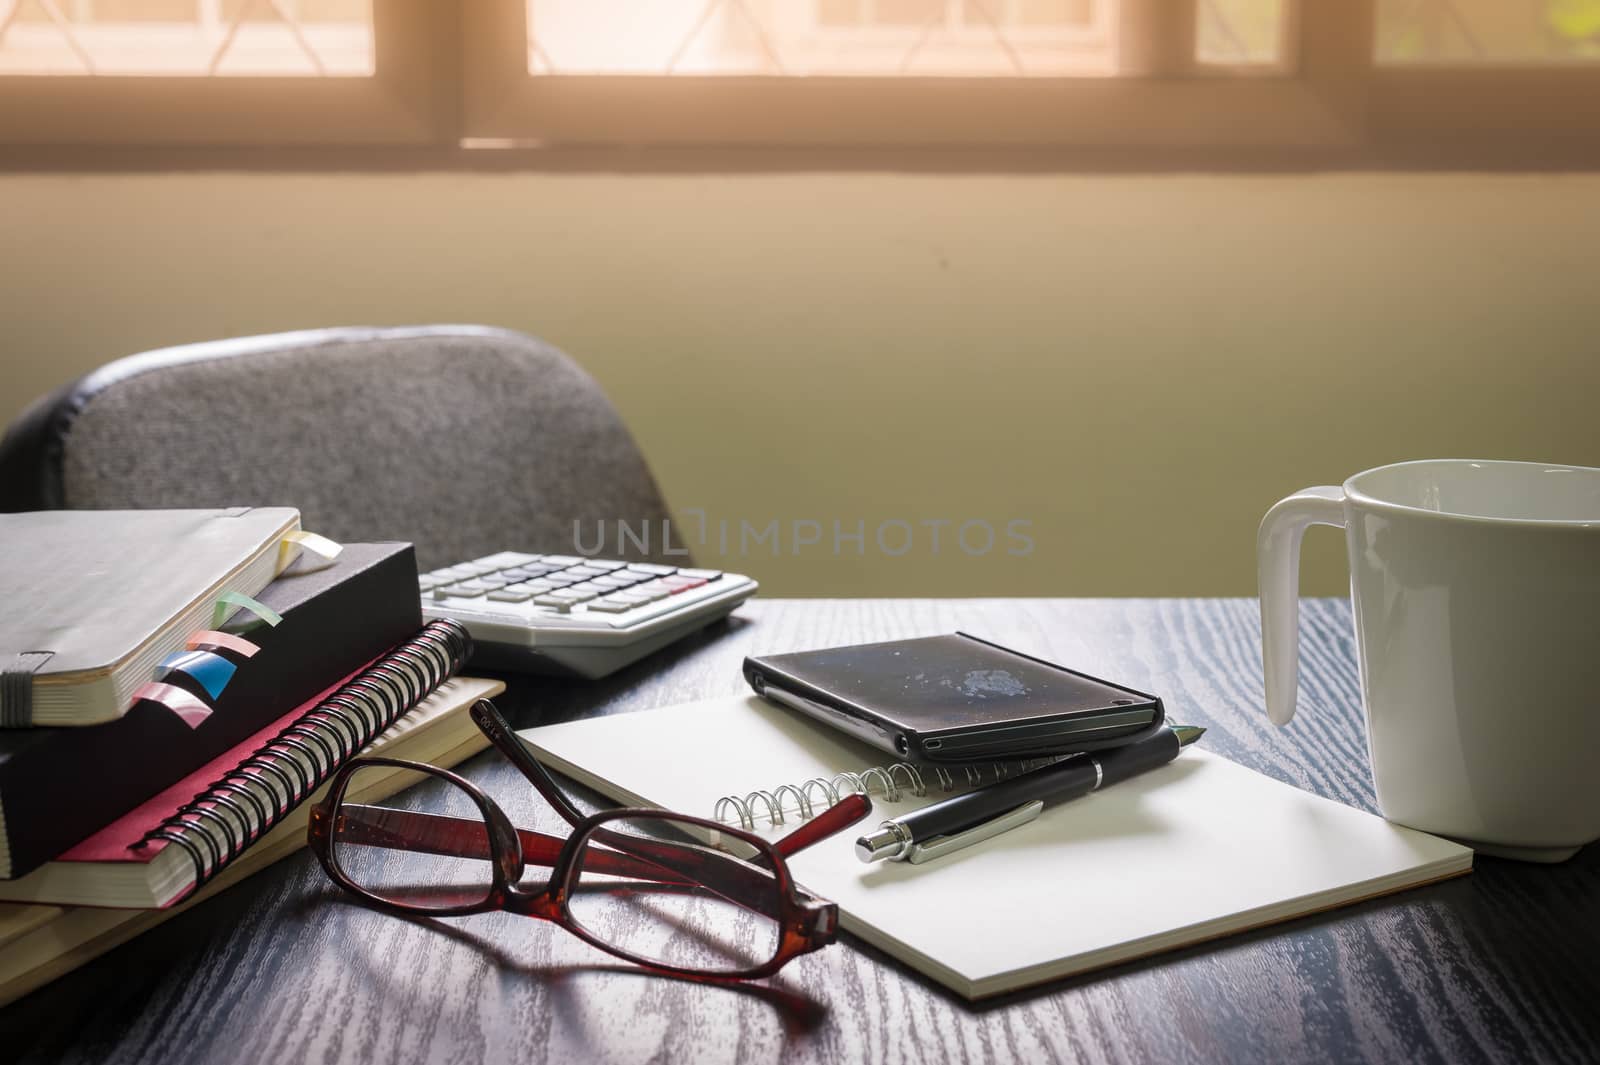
[{"x": 61, "y": 785}]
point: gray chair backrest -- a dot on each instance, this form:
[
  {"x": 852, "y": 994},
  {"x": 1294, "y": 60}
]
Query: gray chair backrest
[{"x": 461, "y": 439}]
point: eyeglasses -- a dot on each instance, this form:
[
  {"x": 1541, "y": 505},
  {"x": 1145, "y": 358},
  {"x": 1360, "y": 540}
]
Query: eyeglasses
[{"x": 674, "y": 893}]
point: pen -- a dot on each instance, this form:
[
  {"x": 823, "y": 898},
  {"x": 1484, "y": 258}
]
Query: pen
[{"x": 966, "y": 819}]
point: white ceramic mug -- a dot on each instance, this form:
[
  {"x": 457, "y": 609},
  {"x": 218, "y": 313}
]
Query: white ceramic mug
[{"x": 1476, "y": 594}]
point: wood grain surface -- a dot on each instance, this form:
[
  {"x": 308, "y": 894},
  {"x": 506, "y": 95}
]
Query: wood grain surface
[{"x": 1498, "y": 966}]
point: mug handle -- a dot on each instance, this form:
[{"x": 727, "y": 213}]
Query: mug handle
[{"x": 1278, "y": 573}]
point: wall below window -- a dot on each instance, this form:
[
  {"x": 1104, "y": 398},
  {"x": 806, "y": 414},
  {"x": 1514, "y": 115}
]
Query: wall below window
[{"x": 1114, "y": 376}]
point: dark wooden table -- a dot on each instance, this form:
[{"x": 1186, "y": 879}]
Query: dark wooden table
[{"x": 1498, "y": 966}]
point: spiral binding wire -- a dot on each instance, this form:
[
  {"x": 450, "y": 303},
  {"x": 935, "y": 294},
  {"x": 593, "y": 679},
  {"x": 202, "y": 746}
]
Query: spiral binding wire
[
  {"x": 238, "y": 808},
  {"x": 890, "y": 782}
]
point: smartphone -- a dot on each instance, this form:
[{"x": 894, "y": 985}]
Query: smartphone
[{"x": 955, "y": 698}]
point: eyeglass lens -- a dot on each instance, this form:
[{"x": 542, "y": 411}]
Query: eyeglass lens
[
  {"x": 425, "y": 863},
  {"x": 688, "y": 897},
  {"x": 656, "y": 889}
]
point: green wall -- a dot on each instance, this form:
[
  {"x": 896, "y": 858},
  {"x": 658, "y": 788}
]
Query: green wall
[{"x": 1134, "y": 366}]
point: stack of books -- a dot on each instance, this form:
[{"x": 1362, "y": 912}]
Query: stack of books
[{"x": 174, "y": 686}]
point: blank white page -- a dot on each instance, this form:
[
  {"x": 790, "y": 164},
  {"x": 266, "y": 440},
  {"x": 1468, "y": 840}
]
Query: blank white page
[{"x": 1196, "y": 849}]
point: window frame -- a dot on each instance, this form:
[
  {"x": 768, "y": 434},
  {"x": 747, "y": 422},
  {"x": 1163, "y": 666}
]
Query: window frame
[
  {"x": 1545, "y": 113},
  {"x": 1171, "y": 103},
  {"x": 451, "y": 79}
]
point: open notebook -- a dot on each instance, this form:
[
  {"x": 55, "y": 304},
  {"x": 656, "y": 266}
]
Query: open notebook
[{"x": 1197, "y": 849}]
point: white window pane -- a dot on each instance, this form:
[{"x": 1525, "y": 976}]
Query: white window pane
[
  {"x": 188, "y": 37},
  {"x": 963, "y": 38},
  {"x": 1240, "y": 32},
  {"x": 1487, "y": 32}
]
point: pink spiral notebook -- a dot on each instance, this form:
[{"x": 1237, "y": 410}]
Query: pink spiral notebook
[{"x": 162, "y": 850}]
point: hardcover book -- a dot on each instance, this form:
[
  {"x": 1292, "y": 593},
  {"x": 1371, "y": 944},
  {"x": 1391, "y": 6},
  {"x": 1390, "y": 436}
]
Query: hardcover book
[
  {"x": 59, "y": 785},
  {"x": 96, "y": 599}
]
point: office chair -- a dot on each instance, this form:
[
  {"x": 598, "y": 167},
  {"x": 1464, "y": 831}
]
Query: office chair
[{"x": 463, "y": 440}]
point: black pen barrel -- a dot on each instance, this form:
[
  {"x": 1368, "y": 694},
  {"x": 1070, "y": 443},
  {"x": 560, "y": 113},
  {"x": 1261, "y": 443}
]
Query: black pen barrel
[
  {"x": 1055, "y": 783},
  {"x": 1066, "y": 779},
  {"x": 1120, "y": 763}
]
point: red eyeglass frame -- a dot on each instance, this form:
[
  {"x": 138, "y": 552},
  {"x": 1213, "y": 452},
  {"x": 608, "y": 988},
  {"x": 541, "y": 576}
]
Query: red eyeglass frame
[{"x": 805, "y": 922}]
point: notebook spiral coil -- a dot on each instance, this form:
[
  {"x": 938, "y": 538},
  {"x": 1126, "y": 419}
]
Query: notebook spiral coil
[
  {"x": 238, "y": 808},
  {"x": 891, "y": 783}
]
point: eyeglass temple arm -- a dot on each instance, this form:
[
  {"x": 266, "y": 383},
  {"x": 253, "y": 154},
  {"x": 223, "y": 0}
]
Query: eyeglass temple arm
[
  {"x": 624, "y": 855},
  {"x": 466, "y": 837},
  {"x": 749, "y": 884},
  {"x": 734, "y": 879},
  {"x": 494, "y": 726},
  {"x": 841, "y": 815},
  {"x": 463, "y": 837}
]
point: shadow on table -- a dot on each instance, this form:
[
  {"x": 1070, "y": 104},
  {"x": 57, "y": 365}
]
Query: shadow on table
[
  {"x": 539, "y": 699},
  {"x": 800, "y": 1014}
]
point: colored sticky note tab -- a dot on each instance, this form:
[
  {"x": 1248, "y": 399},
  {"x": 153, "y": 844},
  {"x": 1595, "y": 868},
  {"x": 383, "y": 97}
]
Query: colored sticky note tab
[
  {"x": 207, "y": 640},
  {"x": 227, "y": 602},
  {"x": 180, "y": 702},
  {"x": 209, "y": 669},
  {"x": 315, "y": 543}
]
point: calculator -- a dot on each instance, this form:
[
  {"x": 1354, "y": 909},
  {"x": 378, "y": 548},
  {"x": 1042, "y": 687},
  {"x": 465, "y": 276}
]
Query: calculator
[{"x": 564, "y": 614}]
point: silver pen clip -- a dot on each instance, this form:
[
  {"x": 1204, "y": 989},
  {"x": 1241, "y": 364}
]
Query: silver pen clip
[{"x": 938, "y": 846}]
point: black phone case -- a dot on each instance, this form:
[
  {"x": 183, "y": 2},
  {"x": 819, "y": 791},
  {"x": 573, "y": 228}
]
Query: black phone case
[{"x": 924, "y": 709}]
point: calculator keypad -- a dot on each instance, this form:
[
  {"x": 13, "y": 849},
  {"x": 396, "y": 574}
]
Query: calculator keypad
[{"x": 549, "y": 585}]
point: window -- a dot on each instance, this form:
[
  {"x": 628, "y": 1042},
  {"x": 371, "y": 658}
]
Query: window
[
  {"x": 873, "y": 38},
  {"x": 177, "y": 72},
  {"x": 1491, "y": 81},
  {"x": 1487, "y": 32},
  {"x": 1087, "y": 74},
  {"x": 1185, "y": 82},
  {"x": 821, "y": 38},
  {"x": 325, "y": 38}
]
